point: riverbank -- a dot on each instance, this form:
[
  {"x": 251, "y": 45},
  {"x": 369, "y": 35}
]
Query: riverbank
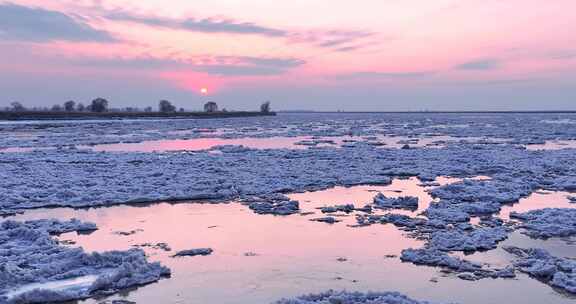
[{"x": 53, "y": 115}]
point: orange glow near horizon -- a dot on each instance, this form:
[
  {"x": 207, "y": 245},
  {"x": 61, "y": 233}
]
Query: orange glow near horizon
[{"x": 204, "y": 91}]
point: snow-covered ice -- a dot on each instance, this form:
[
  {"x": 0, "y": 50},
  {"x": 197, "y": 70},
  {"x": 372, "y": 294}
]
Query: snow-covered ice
[
  {"x": 403, "y": 202},
  {"x": 333, "y": 297},
  {"x": 555, "y": 271},
  {"x": 35, "y": 268},
  {"x": 548, "y": 222},
  {"x": 58, "y": 165},
  {"x": 53, "y": 226},
  {"x": 194, "y": 252},
  {"x": 484, "y": 238}
]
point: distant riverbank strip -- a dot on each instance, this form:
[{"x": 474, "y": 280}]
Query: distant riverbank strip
[{"x": 54, "y": 115}]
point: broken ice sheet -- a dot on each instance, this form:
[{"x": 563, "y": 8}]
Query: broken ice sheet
[
  {"x": 35, "y": 267},
  {"x": 77, "y": 285}
]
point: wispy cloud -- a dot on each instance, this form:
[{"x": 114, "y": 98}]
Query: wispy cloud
[
  {"x": 563, "y": 55},
  {"x": 495, "y": 82},
  {"x": 248, "y": 66},
  {"x": 239, "y": 70},
  {"x": 207, "y": 25},
  {"x": 336, "y": 40},
  {"x": 214, "y": 65},
  {"x": 22, "y": 23},
  {"x": 274, "y": 62},
  {"x": 480, "y": 64},
  {"x": 384, "y": 75}
]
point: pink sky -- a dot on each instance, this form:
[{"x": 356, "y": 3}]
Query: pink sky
[{"x": 304, "y": 54}]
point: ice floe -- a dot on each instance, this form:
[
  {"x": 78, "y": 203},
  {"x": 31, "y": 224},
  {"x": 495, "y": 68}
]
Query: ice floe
[
  {"x": 327, "y": 219},
  {"x": 340, "y": 150},
  {"x": 53, "y": 226},
  {"x": 347, "y": 208},
  {"x": 35, "y": 268},
  {"x": 548, "y": 222},
  {"x": 83, "y": 179},
  {"x": 484, "y": 238},
  {"x": 344, "y": 297},
  {"x": 554, "y": 271},
  {"x": 194, "y": 252},
  {"x": 403, "y": 202}
]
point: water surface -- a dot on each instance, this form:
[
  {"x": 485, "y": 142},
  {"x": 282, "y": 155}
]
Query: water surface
[{"x": 261, "y": 258}]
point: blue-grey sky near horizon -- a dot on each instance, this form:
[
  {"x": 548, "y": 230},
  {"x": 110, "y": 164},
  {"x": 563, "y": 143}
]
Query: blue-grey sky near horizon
[{"x": 377, "y": 55}]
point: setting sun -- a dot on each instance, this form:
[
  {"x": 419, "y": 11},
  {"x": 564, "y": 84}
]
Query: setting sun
[{"x": 204, "y": 91}]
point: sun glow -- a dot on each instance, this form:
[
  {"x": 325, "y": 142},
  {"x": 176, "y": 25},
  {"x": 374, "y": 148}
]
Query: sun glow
[{"x": 204, "y": 91}]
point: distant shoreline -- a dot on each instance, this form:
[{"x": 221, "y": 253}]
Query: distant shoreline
[
  {"x": 430, "y": 112},
  {"x": 51, "y": 115}
]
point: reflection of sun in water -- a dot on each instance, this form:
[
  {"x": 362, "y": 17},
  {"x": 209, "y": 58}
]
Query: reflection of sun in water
[{"x": 204, "y": 91}]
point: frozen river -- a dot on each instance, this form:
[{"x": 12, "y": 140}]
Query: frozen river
[{"x": 480, "y": 183}]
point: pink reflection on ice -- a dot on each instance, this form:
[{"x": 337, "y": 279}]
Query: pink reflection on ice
[
  {"x": 553, "y": 145},
  {"x": 198, "y": 144},
  {"x": 293, "y": 254},
  {"x": 362, "y": 195}
]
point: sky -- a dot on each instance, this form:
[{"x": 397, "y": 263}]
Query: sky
[{"x": 365, "y": 55}]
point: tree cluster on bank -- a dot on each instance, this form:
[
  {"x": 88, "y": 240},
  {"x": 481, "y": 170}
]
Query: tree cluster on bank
[
  {"x": 101, "y": 105},
  {"x": 97, "y": 105}
]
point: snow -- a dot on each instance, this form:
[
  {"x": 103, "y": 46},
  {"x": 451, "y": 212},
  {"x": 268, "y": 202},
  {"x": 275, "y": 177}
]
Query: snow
[
  {"x": 403, "y": 202},
  {"x": 277, "y": 208},
  {"x": 461, "y": 240},
  {"x": 399, "y": 220},
  {"x": 158, "y": 246},
  {"x": 60, "y": 288},
  {"x": 341, "y": 150},
  {"x": 35, "y": 268},
  {"x": 548, "y": 222},
  {"x": 555, "y": 271},
  {"x": 347, "y": 208},
  {"x": 466, "y": 270},
  {"x": 194, "y": 252},
  {"x": 327, "y": 219},
  {"x": 83, "y": 179},
  {"x": 496, "y": 190},
  {"x": 432, "y": 257},
  {"x": 54, "y": 226},
  {"x": 344, "y": 297}
]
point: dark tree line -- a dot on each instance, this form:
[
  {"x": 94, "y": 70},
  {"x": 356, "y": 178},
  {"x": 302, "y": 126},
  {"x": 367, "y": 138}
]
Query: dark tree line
[
  {"x": 97, "y": 105},
  {"x": 100, "y": 105}
]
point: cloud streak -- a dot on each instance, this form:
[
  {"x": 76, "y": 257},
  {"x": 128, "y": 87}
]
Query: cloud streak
[
  {"x": 22, "y": 23},
  {"x": 385, "y": 75},
  {"x": 336, "y": 40},
  {"x": 480, "y": 65},
  {"x": 207, "y": 25},
  {"x": 213, "y": 65}
]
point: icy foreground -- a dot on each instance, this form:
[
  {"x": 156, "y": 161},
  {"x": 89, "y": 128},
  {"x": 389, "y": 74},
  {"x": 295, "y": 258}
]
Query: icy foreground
[
  {"x": 490, "y": 146},
  {"x": 343, "y": 297},
  {"x": 81, "y": 179},
  {"x": 548, "y": 222},
  {"x": 405, "y": 202},
  {"x": 34, "y": 268},
  {"x": 554, "y": 271},
  {"x": 466, "y": 270}
]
